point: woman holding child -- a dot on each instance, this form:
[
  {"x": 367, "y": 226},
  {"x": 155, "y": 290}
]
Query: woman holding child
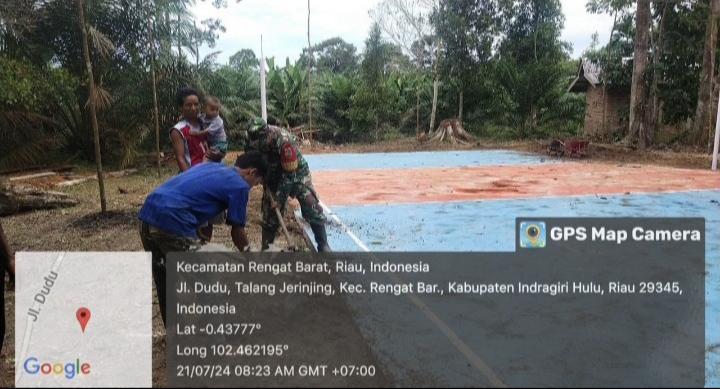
[{"x": 189, "y": 140}]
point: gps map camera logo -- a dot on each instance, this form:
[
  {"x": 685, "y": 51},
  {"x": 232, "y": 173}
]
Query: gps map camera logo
[{"x": 532, "y": 234}]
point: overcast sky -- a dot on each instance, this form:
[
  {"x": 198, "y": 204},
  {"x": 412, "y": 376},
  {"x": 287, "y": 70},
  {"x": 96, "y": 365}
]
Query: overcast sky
[{"x": 283, "y": 25}]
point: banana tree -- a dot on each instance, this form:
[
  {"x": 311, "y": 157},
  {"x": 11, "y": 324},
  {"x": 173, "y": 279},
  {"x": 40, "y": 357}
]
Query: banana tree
[
  {"x": 287, "y": 90},
  {"x": 334, "y": 101}
]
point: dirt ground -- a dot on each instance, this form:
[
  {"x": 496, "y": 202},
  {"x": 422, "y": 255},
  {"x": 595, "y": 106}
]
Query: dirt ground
[{"x": 83, "y": 228}]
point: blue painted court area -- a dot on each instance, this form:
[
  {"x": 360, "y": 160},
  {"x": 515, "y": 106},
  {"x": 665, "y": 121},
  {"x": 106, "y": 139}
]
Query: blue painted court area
[
  {"x": 489, "y": 226},
  {"x": 423, "y": 159},
  {"x": 482, "y": 226}
]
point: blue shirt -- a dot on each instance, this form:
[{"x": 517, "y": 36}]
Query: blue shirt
[{"x": 188, "y": 200}]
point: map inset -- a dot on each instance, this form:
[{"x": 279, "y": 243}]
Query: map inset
[{"x": 83, "y": 319}]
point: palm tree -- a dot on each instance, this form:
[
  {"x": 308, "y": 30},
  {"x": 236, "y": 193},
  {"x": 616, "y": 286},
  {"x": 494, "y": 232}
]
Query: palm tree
[{"x": 92, "y": 102}]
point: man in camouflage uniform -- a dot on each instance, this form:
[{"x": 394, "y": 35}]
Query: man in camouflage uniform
[{"x": 289, "y": 177}]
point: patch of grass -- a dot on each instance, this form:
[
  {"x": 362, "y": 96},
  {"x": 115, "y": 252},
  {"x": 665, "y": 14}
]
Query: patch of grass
[{"x": 392, "y": 135}]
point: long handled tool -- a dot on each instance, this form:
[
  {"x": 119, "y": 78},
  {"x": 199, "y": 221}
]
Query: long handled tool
[{"x": 279, "y": 216}]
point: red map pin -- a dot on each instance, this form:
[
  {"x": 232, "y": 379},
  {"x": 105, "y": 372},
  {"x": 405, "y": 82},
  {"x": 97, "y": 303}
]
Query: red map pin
[{"x": 83, "y": 316}]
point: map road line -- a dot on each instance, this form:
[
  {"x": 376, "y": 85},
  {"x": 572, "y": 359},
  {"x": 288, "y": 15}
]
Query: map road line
[{"x": 28, "y": 328}]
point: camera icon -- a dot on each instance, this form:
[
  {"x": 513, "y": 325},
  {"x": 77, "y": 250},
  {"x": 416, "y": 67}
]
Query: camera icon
[{"x": 532, "y": 234}]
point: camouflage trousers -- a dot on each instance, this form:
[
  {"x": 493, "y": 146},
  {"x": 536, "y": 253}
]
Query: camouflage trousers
[
  {"x": 160, "y": 243},
  {"x": 297, "y": 185}
]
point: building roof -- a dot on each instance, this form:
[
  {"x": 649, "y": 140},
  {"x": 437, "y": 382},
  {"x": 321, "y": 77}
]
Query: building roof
[{"x": 588, "y": 76}]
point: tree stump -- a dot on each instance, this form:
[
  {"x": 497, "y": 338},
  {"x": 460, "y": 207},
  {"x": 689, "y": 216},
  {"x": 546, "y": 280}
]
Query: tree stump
[{"x": 451, "y": 131}]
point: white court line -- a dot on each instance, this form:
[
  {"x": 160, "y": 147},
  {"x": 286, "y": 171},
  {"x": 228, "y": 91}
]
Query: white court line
[
  {"x": 29, "y": 326},
  {"x": 344, "y": 227},
  {"x": 552, "y": 197},
  {"x": 437, "y": 167},
  {"x": 507, "y": 164},
  {"x": 452, "y": 336}
]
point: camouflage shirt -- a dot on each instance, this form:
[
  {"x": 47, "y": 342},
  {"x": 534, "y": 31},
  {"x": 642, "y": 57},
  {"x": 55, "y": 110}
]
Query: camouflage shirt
[{"x": 277, "y": 137}]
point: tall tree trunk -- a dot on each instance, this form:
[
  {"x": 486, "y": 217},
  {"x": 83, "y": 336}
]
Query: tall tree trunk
[
  {"x": 435, "y": 87},
  {"x": 167, "y": 43},
  {"x": 377, "y": 127},
  {"x": 715, "y": 98},
  {"x": 156, "y": 114},
  {"x": 638, "y": 118},
  {"x": 604, "y": 76},
  {"x": 309, "y": 77},
  {"x": 533, "y": 107},
  {"x": 658, "y": 51},
  {"x": 535, "y": 32},
  {"x": 460, "y": 106},
  {"x": 436, "y": 83},
  {"x": 178, "y": 41},
  {"x": 533, "y": 123},
  {"x": 701, "y": 125},
  {"x": 197, "y": 47},
  {"x": 92, "y": 103},
  {"x": 418, "y": 58},
  {"x": 417, "y": 114}
]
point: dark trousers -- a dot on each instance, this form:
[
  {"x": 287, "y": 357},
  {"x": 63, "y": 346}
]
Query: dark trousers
[
  {"x": 160, "y": 243},
  {"x": 158, "y": 267}
]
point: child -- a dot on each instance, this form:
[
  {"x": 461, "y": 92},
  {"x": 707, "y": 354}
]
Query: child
[{"x": 213, "y": 128}]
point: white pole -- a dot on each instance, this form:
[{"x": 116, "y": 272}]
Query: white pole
[
  {"x": 717, "y": 135},
  {"x": 263, "y": 95}
]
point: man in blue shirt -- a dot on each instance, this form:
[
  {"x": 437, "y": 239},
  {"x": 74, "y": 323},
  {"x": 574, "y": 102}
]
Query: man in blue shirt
[{"x": 173, "y": 212}]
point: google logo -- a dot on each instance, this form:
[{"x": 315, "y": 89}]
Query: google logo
[{"x": 70, "y": 369}]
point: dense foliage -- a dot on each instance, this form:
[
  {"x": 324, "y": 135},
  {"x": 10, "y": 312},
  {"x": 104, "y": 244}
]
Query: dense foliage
[{"x": 501, "y": 67}]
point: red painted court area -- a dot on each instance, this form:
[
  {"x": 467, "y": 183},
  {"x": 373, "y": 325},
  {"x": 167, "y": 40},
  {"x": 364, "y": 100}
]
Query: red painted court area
[{"x": 418, "y": 185}]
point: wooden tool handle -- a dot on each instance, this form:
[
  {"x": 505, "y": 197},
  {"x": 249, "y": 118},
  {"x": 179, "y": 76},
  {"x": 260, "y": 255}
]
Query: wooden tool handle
[{"x": 280, "y": 218}]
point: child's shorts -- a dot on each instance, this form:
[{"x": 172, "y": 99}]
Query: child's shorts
[{"x": 220, "y": 146}]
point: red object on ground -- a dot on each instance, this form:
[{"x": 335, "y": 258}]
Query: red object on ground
[{"x": 576, "y": 147}]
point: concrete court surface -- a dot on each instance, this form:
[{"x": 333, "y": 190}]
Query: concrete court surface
[{"x": 467, "y": 201}]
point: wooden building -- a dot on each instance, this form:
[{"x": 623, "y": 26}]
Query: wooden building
[{"x": 615, "y": 102}]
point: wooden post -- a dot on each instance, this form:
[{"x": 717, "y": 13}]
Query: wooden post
[
  {"x": 154, "y": 89},
  {"x": 309, "y": 75},
  {"x": 717, "y": 129},
  {"x": 263, "y": 93}
]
